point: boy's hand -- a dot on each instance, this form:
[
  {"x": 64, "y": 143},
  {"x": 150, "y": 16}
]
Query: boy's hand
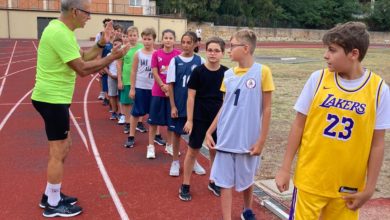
[
  {"x": 282, "y": 180},
  {"x": 210, "y": 141},
  {"x": 132, "y": 93},
  {"x": 357, "y": 200},
  {"x": 120, "y": 85},
  {"x": 174, "y": 112},
  {"x": 165, "y": 89},
  {"x": 255, "y": 150},
  {"x": 188, "y": 127}
]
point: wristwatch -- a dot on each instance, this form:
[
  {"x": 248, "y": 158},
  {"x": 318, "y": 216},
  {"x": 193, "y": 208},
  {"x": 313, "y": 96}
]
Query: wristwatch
[{"x": 100, "y": 46}]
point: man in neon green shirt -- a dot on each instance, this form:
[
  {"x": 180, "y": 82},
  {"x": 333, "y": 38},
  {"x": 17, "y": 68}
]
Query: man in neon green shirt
[{"x": 59, "y": 60}]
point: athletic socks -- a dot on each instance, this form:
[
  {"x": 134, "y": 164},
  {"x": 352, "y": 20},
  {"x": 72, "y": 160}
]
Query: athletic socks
[{"x": 53, "y": 193}]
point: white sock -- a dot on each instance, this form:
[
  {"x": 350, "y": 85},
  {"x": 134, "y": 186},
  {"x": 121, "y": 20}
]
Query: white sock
[{"x": 53, "y": 193}]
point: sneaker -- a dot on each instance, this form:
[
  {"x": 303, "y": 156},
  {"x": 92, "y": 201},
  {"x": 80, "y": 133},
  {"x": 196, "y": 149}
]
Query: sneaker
[
  {"x": 248, "y": 215},
  {"x": 169, "y": 150},
  {"x": 101, "y": 96},
  {"x": 122, "y": 119},
  {"x": 215, "y": 189},
  {"x": 64, "y": 198},
  {"x": 184, "y": 193},
  {"x": 113, "y": 116},
  {"x": 198, "y": 169},
  {"x": 159, "y": 140},
  {"x": 62, "y": 209},
  {"x": 150, "y": 154},
  {"x": 105, "y": 102},
  {"x": 129, "y": 143},
  {"x": 175, "y": 168},
  {"x": 126, "y": 128},
  {"x": 141, "y": 128}
]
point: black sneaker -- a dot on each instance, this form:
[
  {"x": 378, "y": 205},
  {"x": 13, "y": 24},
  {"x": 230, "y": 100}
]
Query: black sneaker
[
  {"x": 126, "y": 128},
  {"x": 248, "y": 215},
  {"x": 215, "y": 189},
  {"x": 184, "y": 193},
  {"x": 129, "y": 142},
  {"x": 62, "y": 209},
  {"x": 141, "y": 128},
  {"x": 159, "y": 140},
  {"x": 64, "y": 198},
  {"x": 105, "y": 102}
]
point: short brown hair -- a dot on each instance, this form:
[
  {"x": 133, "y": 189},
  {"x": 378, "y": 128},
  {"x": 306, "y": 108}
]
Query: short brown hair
[
  {"x": 349, "y": 36},
  {"x": 216, "y": 40},
  {"x": 132, "y": 29},
  {"x": 149, "y": 32},
  {"x": 119, "y": 39},
  {"x": 246, "y": 36}
]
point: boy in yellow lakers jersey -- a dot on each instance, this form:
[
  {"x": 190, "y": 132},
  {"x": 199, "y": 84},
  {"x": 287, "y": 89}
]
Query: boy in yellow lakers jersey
[{"x": 339, "y": 130}]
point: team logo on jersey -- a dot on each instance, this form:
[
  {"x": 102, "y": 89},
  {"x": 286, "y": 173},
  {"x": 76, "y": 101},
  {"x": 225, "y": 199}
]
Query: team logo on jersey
[
  {"x": 193, "y": 67},
  {"x": 159, "y": 59},
  {"x": 332, "y": 101},
  {"x": 250, "y": 83}
]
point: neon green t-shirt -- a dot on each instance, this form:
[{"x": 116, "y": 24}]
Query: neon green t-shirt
[
  {"x": 128, "y": 63},
  {"x": 55, "y": 80}
]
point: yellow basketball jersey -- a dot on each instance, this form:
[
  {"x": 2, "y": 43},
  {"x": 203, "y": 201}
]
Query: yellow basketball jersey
[{"x": 337, "y": 136}]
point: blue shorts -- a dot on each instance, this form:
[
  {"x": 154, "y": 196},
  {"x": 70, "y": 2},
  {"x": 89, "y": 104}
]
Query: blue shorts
[
  {"x": 177, "y": 125},
  {"x": 141, "y": 104},
  {"x": 105, "y": 83},
  {"x": 160, "y": 111}
]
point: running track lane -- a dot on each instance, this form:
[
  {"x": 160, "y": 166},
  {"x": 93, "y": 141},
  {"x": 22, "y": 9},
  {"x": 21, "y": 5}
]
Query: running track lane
[{"x": 144, "y": 187}]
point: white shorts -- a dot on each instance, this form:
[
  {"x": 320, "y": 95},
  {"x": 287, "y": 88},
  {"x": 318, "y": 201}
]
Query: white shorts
[
  {"x": 112, "y": 86},
  {"x": 231, "y": 169}
]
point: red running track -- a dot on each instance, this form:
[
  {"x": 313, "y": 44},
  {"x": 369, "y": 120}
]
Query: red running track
[{"x": 111, "y": 182}]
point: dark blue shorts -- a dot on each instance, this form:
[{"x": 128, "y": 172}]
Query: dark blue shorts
[
  {"x": 56, "y": 118},
  {"x": 141, "y": 104},
  {"x": 177, "y": 125},
  {"x": 105, "y": 83},
  {"x": 160, "y": 111}
]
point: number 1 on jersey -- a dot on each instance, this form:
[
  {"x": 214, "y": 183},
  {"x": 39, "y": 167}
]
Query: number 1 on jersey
[
  {"x": 237, "y": 93},
  {"x": 185, "y": 80}
]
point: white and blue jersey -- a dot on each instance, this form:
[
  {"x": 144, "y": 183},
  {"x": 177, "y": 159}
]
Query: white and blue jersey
[
  {"x": 239, "y": 123},
  {"x": 181, "y": 76}
]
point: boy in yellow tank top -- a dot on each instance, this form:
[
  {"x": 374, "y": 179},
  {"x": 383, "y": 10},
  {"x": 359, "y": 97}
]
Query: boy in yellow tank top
[{"x": 342, "y": 114}]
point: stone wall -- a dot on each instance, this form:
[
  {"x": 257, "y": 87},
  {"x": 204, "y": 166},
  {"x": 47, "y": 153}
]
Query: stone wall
[{"x": 277, "y": 34}]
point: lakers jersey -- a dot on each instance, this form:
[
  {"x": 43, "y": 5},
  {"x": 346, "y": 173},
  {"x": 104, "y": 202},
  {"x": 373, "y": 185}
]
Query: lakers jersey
[
  {"x": 239, "y": 123},
  {"x": 336, "y": 140}
]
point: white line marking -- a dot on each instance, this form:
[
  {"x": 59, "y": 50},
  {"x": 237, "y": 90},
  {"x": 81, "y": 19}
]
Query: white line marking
[
  {"x": 81, "y": 133},
  {"x": 20, "y": 61},
  {"x": 99, "y": 161},
  {"x": 34, "y": 45},
  {"x": 29, "y": 103},
  {"x": 17, "y": 72},
  {"x": 13, "y": 109},
  {"x": 6, "y": 72}
]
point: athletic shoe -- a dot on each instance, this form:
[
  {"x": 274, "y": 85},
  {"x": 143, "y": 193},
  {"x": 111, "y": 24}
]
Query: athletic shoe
[
  {"x": 198, "y": 169},
  {"x": 129, "y": 142},
  {"x": 101, "y": 96},
  {"x": 175, "y": 168},
  {"x": 64, "y": 198},
  {"x": 141, "y": 128},
  {"x": 62, "y": 209},
  {"x": 126, "y": 128},
  {"x": 122, "y": 119},
  {"x": 248, "y": 215},
  {"x": 113, "y": 116},
  {"x": 159, "y": 140},
  {"x": 215, "y": 189},
  {"x": 184, "y": 193},
  {"x": 150, "y": 154},
  {"x": 169, "y": 150},
  {"x": 105, "y": 102}
]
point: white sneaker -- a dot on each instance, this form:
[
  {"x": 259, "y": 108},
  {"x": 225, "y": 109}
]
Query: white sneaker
[
  {"x": 122, "y": 120},
  {"x": 175, "y": 168},
  {"x": 198, "y": 169},
  {"x": 101, "y": 96},
  {"x": 169, "y": 150},
  {"x": 150, "y": 154}
]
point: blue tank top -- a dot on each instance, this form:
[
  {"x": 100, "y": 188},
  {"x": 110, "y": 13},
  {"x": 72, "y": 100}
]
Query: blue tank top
[
  {"x": 239, "y": 123},
  {"x": 183, "y": 73}
]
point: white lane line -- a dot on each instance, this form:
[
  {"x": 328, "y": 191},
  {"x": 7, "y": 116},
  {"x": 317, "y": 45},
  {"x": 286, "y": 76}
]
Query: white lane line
[
  {"x": 13, "y": 109},
  {"x": 29, "y": 103},
  {"x": 20, "y": 61},
  {"x": 99, "y": 161},
  {"x": 35, "y": 46},
  {"x": 81, "y": 133},
  {"x": 6, "y": 71},
  {"x": 5, "y": 76}
]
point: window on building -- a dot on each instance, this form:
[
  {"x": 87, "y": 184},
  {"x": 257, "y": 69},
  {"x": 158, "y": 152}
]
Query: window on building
[{"x": 135, "y": 2}]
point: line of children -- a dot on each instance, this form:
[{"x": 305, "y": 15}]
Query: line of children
[
  {"x": 179, "y": 72},
  {"x": 243, "y": 124},
  {"x": 204, "y": 101},
  {"x": 342, "y": 114}
]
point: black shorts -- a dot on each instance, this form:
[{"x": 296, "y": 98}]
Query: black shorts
[
  {"x": 56, "y": 118},
  {"x": 198, "y": 134}
]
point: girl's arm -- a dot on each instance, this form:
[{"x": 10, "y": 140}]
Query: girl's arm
[
  {"x": 190, "y": 111},
  {"x": 159, "y": 81}
]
